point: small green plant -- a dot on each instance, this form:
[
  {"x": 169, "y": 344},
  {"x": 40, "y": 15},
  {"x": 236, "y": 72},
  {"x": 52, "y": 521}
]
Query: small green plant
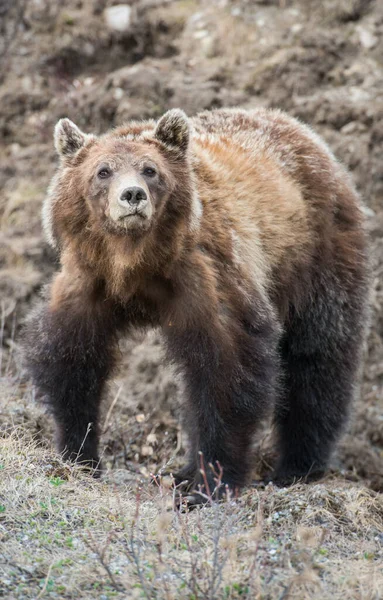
[
  {"x": 47, "y": 585},
  {"x": 56, "y": 481},
  {"x": 239, "y": 588},
  {"x": 60, "y": 589}
]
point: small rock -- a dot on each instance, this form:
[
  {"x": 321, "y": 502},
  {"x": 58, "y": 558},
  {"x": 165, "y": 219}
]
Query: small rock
[
  {"x": 367, "y": 211},
  {"x": 88, "y": 49},
  {"x": 201, "y": 34},
  {"x": 118, "y": 93},
  {"x": 15, "y": 149},
  {"x": 146, "y": 451},
  {"x": 118, "y": 17},
  {"x": 367, "y": 39},
  {"x": 151, "y": 439},
  {"x": 296, "y": 28}
]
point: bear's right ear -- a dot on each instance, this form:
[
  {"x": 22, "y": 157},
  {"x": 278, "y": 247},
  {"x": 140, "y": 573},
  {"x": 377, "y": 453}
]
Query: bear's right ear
[{"x": 69, "y": 139}]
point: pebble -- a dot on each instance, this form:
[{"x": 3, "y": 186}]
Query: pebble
[
  {"x": 367, "y": 39},
  {"x": 367, "y": 211},
  {"x": 118, "y": 17}
]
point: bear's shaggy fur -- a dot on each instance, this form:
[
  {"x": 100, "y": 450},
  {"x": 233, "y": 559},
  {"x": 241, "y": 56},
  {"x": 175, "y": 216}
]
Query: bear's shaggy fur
[{"x": 241, "y": 237}]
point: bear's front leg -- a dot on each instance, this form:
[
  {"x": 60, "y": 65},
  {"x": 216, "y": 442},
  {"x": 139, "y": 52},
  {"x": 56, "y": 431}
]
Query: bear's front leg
[
  {"x": 70, "y": 352},
  {"x": 230, "y": 373}
]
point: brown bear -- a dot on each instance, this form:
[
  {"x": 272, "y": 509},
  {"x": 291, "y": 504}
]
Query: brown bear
[{"x": 241, "y": 237}]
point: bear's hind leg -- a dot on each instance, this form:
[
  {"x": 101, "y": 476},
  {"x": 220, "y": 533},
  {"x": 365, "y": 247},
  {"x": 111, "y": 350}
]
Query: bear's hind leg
[{"x": 321, "y": 355}]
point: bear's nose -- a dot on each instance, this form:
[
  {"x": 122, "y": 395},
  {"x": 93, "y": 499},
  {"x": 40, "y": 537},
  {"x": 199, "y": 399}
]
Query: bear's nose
[{"x": 133, "y": 196}]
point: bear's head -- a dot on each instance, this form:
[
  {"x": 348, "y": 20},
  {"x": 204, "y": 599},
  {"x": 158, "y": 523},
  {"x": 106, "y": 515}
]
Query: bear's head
[{"x": 132, "y": 181}]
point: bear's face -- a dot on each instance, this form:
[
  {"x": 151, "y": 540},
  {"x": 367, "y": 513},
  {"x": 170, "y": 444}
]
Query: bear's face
[
  {"x": 122, "y": 182},
  {"x": 126, "y": 185}
]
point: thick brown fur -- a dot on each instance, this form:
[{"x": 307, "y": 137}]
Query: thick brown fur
[{"x": 253, "y": 262}]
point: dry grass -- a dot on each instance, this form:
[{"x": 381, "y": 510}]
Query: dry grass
[{"x": 64, "y": 535}]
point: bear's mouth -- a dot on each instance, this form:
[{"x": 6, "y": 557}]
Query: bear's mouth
[
  {"x": 134, "y": 225},
  {"x": 132, "y": 222},
  {"x": 128, "y": 219},
  {"x": 132, "y": 215}
]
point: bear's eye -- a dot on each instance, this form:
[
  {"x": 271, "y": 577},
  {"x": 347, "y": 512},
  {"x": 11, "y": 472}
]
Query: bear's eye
[
  {"x": 104, "y": 173},
  {"x": 149, "y": 172}
]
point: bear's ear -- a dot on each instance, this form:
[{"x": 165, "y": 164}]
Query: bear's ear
[
  {"x": 173, "y": 130},
  {"x": 69, "y": 139}
]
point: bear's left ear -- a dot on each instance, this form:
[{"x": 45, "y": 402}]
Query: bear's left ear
[
  {"x": 69, "y": 139},
  {"x": 173, "y": 130}
]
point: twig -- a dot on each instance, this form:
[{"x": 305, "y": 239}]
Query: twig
[
  {"x": 131, "y": 551},
  {"x": 44, "y": 588},
  {"x": 116, "y": 397},
  {"x": 193, "y": 585},
  {"x": 101, "y": 557},
  {"x": 259, "y": 525}
]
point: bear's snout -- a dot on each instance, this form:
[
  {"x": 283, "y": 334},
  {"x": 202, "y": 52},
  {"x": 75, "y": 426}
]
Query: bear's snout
[
  {"x": 133, "y": 196},
  {"x": 130, "y": 207}
]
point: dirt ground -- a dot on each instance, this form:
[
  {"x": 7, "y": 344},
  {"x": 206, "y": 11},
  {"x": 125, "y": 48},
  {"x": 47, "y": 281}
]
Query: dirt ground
[{"x": 320, "y": 61}]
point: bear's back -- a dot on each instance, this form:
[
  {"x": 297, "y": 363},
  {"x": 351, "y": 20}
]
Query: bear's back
[
  {"x": 244, "y": 184},
  {"x": 278, "y": 189},
  {"x": 292, "y": 144}
]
